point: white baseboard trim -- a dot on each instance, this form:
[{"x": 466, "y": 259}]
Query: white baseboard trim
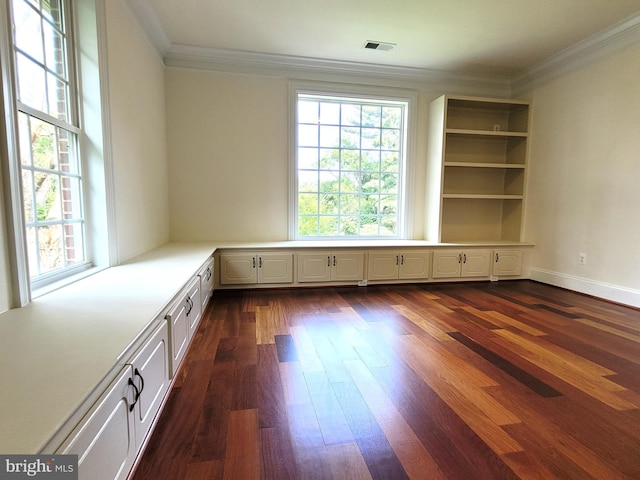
[{"x": 614, "y": 293}]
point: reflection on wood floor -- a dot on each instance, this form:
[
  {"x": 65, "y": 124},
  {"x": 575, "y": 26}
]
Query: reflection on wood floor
[{"x": 450, "y": 381}]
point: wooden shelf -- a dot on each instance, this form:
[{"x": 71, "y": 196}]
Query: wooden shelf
[
  {"x": 485, "y": 133},
  {"x": 477, "y": 164}
]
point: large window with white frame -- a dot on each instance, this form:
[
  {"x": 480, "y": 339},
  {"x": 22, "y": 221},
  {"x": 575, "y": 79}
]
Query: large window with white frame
[
  {"x": 48, "y": 131},
  {"x": 350, "y": 165}
]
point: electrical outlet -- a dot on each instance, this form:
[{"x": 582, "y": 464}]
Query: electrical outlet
[{"x": 582, "y": 258}]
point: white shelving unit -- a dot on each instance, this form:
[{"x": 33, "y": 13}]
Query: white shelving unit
[{"x": 476, "y": 169}]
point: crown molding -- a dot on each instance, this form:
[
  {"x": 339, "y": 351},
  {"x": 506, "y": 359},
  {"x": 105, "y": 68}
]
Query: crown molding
[
  {"x": 592, "y": 48},
  {"x": 148, "y": 20},
  {"x": 308, "y": 68},
  {"x": 616, "y": 37}
]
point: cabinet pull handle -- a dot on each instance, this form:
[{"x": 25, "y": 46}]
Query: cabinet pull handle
[
  {"x": 459, "y": 258},
  {"x": 259, "y": 262},
  {"x": 497, "y": 257},
  {"x": 334, "y": 260},
  {"x": 401, "y": 259},
  {"x": 397, "y": 259},
  {"x": 137, "y": 395},
  {"x": 465, "y": 258},
  {"x": 328, "y": 260},
  {"x": 254, "y": 262},
  {"x": 137, "y": 373}
]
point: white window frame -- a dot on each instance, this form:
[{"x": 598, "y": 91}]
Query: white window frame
[
  {"x": 87, "y": 29},
  {"x": 406, "y": 174}
]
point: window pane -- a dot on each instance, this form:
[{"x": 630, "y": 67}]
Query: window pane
[
  {"x": 308, "y": 204},
  {"x": 328, "y": 226},
  {"x": 370, "y": 138},
  {"x": 47, "y": 139},
  {"x": 308, "y": 226},
  {"x": 350, "y": 114},
  {"x": 329, "y": 159},
  {"x": 371, "y": 160},
  {"x": 58, "y": 98},
  {"x": 352, "y": 188},
  {"x": 308, "y": 158},
  {"x": 307, "y": 181},
  {"x": 329, "y": 136},
  {"x": 32, "y": 89},
  {"x": 391, "y": 117},
  {"x": 50, "y": 248},
  {"x": 71, "y": 199},
  {"x": 308, "y": 135},
  {"x": 73, "y": 243},
  {"x": 28, "y": 30},
  {"x": 307, "y": 112},
  {"x": 350, "y": 160},
  {"x": 47, "y": 196},
  {"x": 43, "y": 144},
  {"x": 330, "y": 113}
]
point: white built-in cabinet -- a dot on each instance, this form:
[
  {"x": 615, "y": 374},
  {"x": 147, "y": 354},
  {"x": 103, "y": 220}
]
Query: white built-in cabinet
[
  {"x": 261, "y": 267},
  {"x": 330, "y": 266},
  {"x": 108, "y": 438},
  {"x": 453, "y": 263},
  {"x": 183, "y": 319},
  {"x": 507, "y": 262},
  {"x": 206, "y": 275},
  {"x": 477, "y": 162},
  {"x": 403, "y": 265}
]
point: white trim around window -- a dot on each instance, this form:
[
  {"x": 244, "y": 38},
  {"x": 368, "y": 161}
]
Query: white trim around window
[{"x": 407, "y": 101}]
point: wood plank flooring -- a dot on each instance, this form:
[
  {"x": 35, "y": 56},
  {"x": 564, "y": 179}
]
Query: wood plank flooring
[{"x": 504, "y": 380}]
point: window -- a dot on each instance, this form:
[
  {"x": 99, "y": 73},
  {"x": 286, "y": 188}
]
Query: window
[
  {"x": 48, "y": 133},
  {"x": 350, "y": 166}
]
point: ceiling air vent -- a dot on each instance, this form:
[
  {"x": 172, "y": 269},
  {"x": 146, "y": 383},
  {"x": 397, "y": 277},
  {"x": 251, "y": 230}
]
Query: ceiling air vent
[{"x": 385, "y": 46}]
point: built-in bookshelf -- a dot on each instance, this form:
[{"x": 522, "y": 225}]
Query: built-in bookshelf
[{"x": 476, "y": 169}]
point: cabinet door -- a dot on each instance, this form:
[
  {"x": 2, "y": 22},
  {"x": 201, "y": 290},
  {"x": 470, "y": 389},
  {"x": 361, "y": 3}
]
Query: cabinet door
[
  {"x": 314, "y": 267},
  {"x": 194, "y": 310},
  {"x": 179, "y": 333},
  {"x": 414, "y": 265},
  {"x": 275, "y": 267},
  {"x": 447, "y": 263},
  {"x": 206, "y": 283},
  {"x": 105, "y": 439},
  {"x": 475, "y": 263},
  {"x": 347, "y": 266},
  {"x": 383, "y": 266},
  {"x": 507, "y": 262},
  {"x": 238, "y": 268},
  {"x": 151, "y": 376}
]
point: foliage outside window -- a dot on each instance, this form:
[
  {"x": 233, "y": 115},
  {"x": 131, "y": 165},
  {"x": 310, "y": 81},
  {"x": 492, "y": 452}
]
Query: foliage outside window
[
  {"x": 349, "y": 163},
  {"x": 48, "y": 131}
]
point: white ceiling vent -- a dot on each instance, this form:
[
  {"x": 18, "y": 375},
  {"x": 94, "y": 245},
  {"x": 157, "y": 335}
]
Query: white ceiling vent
[{"x": 373, "y": 45}]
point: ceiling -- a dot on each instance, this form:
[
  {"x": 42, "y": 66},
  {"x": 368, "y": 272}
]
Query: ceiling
[{"x": 496, "y": 37}]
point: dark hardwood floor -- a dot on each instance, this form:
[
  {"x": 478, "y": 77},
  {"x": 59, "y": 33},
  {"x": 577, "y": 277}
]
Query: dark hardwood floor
[{"x": 501, "y": 380}]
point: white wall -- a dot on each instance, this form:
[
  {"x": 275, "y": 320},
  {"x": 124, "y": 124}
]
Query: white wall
[
  {"x": 228, "y": 137},
  {"x": 138, "y": 134},
  {"x": 584, "y": 190}
]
